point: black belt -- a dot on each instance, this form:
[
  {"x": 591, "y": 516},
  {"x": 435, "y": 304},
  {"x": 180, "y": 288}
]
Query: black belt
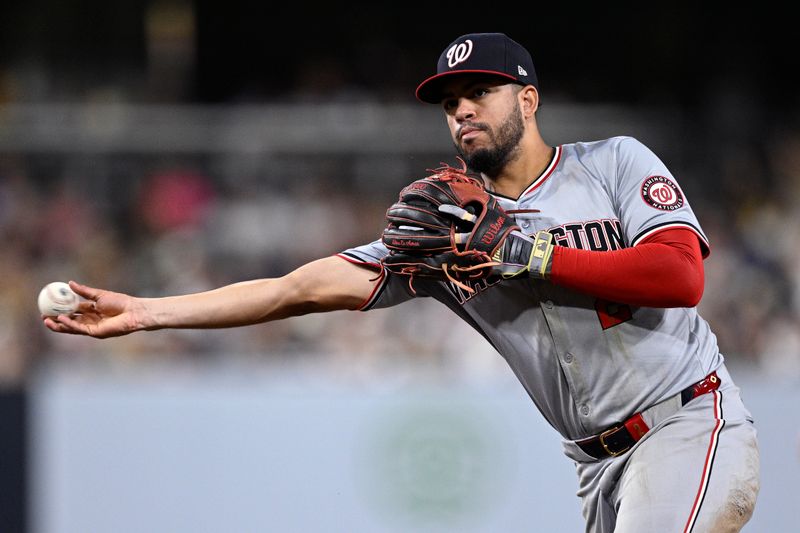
[{"x": 619, "y": 438}]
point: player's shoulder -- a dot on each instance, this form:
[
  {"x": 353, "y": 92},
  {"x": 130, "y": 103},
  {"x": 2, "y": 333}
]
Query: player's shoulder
[
  {"x": 609, "y": 153},
  {"x": 610, "y": 144}
]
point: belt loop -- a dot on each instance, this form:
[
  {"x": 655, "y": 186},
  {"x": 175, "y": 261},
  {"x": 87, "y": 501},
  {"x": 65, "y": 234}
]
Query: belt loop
[
  {"x": 636, "y": 426},
  {"x": 710, "y": 383}
]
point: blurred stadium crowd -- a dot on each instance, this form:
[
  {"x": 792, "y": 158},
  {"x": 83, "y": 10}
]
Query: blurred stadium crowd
[
  {"x": 171, "y": 226},
  {"x": 156, "y": 225},
  {"x": 165, "y": 223}
]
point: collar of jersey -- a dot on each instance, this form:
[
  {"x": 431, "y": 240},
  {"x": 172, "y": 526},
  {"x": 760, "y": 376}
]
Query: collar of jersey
[
  {"x": 540, "y": 179},
  {"x": 545, "y": 173}
]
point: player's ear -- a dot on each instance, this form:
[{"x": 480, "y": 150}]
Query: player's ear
[{"x": 528, "y": 98}]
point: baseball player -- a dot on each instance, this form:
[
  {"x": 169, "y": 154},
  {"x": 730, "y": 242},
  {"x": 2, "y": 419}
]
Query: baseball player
[{"x": 598, "y": 320}]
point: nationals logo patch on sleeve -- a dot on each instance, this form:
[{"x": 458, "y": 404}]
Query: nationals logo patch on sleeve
[{"x": 662, "y": 193}]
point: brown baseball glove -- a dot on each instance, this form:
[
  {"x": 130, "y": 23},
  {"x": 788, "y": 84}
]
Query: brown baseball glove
[{"x": 446, "y": 226}]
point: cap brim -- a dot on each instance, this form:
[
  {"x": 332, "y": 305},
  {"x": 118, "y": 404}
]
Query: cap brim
[{"x": 430, "y": 90}]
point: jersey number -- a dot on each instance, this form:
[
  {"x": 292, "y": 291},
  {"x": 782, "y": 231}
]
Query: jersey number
[{"x": 612, "y": 313}]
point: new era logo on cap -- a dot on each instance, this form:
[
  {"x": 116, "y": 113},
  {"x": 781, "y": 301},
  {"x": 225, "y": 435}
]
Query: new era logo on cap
[{"x": 493, "y": 54}]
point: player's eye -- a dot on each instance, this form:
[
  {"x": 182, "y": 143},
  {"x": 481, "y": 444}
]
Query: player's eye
[{"x": 449, "y": 103}]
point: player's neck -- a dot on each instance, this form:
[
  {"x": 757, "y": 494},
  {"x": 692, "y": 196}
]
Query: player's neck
[{"x": 521, "y": 172}]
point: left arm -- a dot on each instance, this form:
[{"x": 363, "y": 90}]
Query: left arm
[{"x": 665, "y": 270}]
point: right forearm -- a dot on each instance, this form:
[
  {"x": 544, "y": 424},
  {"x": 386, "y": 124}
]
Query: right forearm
[
  {"x": 239, "y": 304},
  {"x": 327, "y": 284}
]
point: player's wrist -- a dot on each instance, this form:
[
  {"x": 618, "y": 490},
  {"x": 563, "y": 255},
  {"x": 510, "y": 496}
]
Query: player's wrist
[
  {"x": 150, "y": 314},
  {"x": 526, "y": 256}
]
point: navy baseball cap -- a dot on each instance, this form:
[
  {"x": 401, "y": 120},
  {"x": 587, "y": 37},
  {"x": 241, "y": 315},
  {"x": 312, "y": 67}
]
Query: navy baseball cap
[{"x": 493, "y": 54}]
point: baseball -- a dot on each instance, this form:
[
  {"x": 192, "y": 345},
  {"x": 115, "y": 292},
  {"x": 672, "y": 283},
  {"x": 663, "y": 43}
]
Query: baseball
[{"x": 57, "y": 298}]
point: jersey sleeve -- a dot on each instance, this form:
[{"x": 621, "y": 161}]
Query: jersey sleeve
[
  {"x": 391, "y": 290},
  {"x": 648, "y": 196}
]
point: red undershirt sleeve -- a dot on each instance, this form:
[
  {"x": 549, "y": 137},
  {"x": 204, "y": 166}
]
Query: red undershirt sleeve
[{"x": 664, "y": 270}]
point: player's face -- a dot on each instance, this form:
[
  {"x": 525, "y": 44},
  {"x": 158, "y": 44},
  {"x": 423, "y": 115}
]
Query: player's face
[{"x": 485, "y": 122}]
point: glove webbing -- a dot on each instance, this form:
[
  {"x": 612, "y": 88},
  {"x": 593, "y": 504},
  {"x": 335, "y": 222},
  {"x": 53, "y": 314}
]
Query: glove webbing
[{"x": 412, "y": 271}]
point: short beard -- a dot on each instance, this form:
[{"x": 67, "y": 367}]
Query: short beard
[{"x": 490, "y": 161}]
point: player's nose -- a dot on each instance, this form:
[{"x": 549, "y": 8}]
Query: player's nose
[{"x": 465, "y": 110}]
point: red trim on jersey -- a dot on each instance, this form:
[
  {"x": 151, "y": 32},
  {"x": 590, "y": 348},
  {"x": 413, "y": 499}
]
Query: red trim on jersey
[
  {"x": 665, "y": 271},
  {"x": 376, "y": 266},
  {"x": 544, "y": 175},
  {"x": 705, "y": 248},
  {"x": 381, "y": 278},
  {"x": 710, "y": 453}
]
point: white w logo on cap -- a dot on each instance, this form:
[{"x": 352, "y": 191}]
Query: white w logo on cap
[{"x": 459, "y": 53}]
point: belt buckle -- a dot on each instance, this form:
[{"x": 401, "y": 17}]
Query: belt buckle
[{"x": 602, "y": 438}]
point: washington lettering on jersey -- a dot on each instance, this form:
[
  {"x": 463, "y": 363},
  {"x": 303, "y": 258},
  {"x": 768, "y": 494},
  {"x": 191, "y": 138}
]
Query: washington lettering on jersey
[{"x": 597, "y": 235}]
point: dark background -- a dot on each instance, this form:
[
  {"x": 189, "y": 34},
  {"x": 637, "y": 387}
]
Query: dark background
[{"x": 654, "y": 54}]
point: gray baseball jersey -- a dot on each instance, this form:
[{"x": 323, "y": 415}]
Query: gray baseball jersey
[
  {"x": 588, "y": 363},
  {"x": 569, "y": 349}
]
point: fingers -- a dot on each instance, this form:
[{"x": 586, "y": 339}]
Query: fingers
[
  {"x": 87, "y": 306},
  {"x": 415, "y": 215},
  {"x": 55, "y": 324},
  {"x": 82, "y": 290},
  {"x": 461, "y": 238},
  {"x": 457, "y": 212}
]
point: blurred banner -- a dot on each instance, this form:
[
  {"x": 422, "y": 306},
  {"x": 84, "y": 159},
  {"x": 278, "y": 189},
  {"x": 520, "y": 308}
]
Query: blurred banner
[{"x": 174, "y": 448}]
